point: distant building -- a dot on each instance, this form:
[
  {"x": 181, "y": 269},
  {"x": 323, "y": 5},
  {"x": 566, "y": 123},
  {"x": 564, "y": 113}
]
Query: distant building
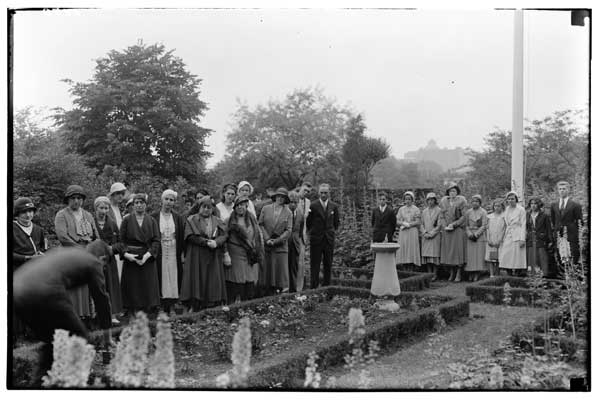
[{"x": 446, "y": 158}]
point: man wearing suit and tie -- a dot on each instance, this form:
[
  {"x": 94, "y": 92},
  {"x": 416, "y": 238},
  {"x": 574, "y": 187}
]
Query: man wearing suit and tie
[
  {"x": 322, "y": 222},
  {"x": 566, "y": 213},
  {"x": 383, "y": 220}
]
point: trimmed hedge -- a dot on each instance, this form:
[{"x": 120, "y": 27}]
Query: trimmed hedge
[
  {"x": 291, "y": 364},
  {"x": 411, "y": 282},
  {"x": 286, "y": 371},
  {"x": 521, "y": 336},
  {"x": 366, "y": 274},
  {"x": 492, "y": 291}
]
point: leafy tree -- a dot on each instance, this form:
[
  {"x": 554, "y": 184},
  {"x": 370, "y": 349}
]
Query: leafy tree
[
  {"x": 286, "y": 142},
  {"x": 360, "y": 154},
  {"x": 139, "y": 112},
  {"x": 556, "y": 148}
]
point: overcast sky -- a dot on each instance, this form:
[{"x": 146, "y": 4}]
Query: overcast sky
[{"x": 415, "y": 75}]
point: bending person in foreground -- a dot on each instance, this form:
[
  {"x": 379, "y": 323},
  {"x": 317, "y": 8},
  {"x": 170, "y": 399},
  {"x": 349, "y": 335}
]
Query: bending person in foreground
[{"x": 41, "y": 296}]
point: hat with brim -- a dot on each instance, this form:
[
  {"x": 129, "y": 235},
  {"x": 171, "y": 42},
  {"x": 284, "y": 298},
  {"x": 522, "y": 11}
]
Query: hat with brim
[
  {"x": 281, "y": 192},
  {"x": 240, "y": 200},
  {"x": 205, "y": 200},
  {"x": 453, "y": 185},
  {"x": 22, "y": 205},
  {"x": 411, "y": 193},
  {"x": 243, "y": 184},
  {"x": 478, "y": 197},
  {"x": 129, "y": 202},
  {"x": 431, "y": 195},
  {"x": 512, "y": 193},
  {"x": 141, "y": 196},
  {"x": 116, "y": 187},
  {"x": 73, "y": 190}
]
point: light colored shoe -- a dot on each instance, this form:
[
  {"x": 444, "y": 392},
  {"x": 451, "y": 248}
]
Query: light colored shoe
[{"x": 115, "y": 321}]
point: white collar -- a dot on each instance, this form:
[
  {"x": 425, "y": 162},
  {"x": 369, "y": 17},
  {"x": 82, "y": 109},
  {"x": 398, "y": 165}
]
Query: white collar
[
  {"x": 382, "y": 208},
  {"x": 324, "y": 204},
  {"x": 565, "y": 199}
]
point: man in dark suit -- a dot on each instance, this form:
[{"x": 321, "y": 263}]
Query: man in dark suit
[
  {"x": 383, "y": 220},
  {"x": 566, "y": 213},
  {"x": 538, "y": 237},
  {"x": 322, "y": 222}
]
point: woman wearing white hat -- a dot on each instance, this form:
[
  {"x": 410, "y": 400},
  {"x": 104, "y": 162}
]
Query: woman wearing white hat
[
  {"x": 512, "y": 255},
  {"x": 116, "y": 195},
  {"x": 246, "y": 189},
  {"x": 431, "y": 224},
  {"x": 408, "y": 220}
]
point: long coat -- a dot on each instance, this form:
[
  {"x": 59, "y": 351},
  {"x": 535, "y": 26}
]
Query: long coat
[
  {"x": 431, "y": 222},
  {"x": 139, "y": 284},
  {"x": 179, "y": 246},
  {"x": 23, "y": 244},
  {"x": 279, "y": 229},
  {"x": 110, "y": 234},
  {"x": 454, "y": 244},
  {"x": 541, "y": 231},
  {"x": 569, "y": 218},
  {"x": 383, "y": 224},
  {"x": 203, "y": 274},
  {"x": 65, "y": 226},
  {"x": 510, "y": 254},
  {"x": 239, "y": 240}
]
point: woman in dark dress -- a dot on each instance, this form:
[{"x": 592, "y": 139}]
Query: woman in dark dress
[
  {"x": 28, "y": 238},
  {"x": 141, "y": 240},
  {"x": 109, "y": 233},
  {"x": 203, "y": 281}
]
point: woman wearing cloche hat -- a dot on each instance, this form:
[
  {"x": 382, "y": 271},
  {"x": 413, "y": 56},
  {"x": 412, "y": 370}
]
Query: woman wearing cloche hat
[
  {"x": 276, "y": 223},
  {"x": 431, "y": 225},
  {"x": 408, "y": 220},
  {"x": 452, "y": 254},
  {"x": 28, "y": 238}
]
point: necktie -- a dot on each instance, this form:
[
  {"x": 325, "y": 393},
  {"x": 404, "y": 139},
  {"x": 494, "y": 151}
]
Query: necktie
[{"x": 562, "y": 204}]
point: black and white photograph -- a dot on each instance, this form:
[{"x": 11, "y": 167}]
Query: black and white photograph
[{"x": 298, "y": 198}]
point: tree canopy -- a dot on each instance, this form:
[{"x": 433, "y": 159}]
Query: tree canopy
[
  {"x": 286, "y": 141},
  {"x": 140, "y": 112}
]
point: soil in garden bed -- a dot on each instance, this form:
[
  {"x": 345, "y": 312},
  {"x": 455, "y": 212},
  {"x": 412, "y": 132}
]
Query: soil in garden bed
[{"x": 203, "y": 347}]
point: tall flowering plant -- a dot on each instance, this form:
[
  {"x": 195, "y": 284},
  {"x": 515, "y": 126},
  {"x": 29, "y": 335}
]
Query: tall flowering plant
[
  {"x": 73, "y": 358},
  {"x": 129, "y": 364},
  {"x": 161, "y": 369},
  {"x": 241, "y": 351}
]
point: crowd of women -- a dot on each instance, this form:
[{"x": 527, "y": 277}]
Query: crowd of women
[
  {"x": 237, "y": 249},
  {"x": 208, "y": 255},
  {"x": 462, "y": 237}
]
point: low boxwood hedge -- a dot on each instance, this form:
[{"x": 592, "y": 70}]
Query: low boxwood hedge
[
  {"x": 365, "y": 273},
  {"x": 492, "y": 291},
  {"x": 408, "y": 281},
  {"x": 291, "y": 365}
]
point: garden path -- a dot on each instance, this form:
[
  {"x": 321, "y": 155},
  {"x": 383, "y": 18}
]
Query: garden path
[{"x": 425, "y": 362}]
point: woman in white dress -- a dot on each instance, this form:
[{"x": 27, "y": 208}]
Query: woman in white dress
[
  {"x": 170, "y": 258},
  {"x": 513, "y": 255},
  {"x": 408, "y": 220},
  {"x": 495, "y": 235},
  {"x": 225, "y": 207}
]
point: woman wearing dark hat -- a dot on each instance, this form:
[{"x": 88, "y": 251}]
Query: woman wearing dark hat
[
  {"x": 431, "y": 224},
  {"x": 539, "y": 236},
  {"x": 513, "y": 255},
  {"x": 28, "y": 238},
  {"x": 203, "y": 282},
  {"x": 140, "y": 237},
  {"x": 408, "y": 221},
  {"x": 452, "y": 253},
  {"x": 276, "y": 223},
  {"x": 109, "y": 233},
  {"x": 476, "y": 221},
  {"x": 76, "y": 227},
  {"x": 243, "y": 243}
]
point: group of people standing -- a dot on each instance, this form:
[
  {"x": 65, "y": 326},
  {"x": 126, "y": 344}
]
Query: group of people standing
[
  {"x": 211, "y": 254},
  {"x": 462, "y": 237}
]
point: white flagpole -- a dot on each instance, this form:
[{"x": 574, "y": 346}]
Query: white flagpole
[{"x": 517, "y": 117}]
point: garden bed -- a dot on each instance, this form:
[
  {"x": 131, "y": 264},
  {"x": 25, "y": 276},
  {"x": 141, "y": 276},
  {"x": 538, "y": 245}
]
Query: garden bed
[
  {"x": 284, "y": 330},
  {"x": 549, "y": 335},
  {"x": 408, "y": 281},
  {"x": 521, "y": 294}
]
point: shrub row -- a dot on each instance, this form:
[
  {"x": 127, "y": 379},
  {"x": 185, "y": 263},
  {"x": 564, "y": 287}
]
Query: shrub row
[
  {"x": 364, "y": 273},
  {"x": 492, "y": 291},
  {"x": 414, "y": 282},
  {"x": 285, "y": 371},
  {"x": 291, "y": 365}
]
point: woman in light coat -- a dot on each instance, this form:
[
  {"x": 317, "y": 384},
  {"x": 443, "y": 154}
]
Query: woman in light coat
[{"x": 513, "y": 254}]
